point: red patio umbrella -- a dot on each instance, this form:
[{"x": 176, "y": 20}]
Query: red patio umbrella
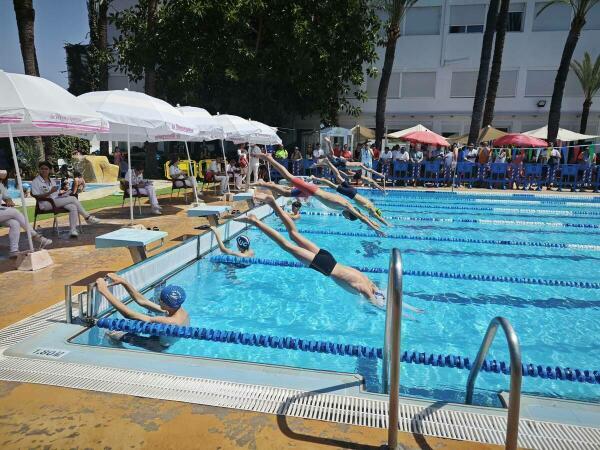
[
  {"x": 520, "y": 140},
  {"x": 426, "y": 137}
]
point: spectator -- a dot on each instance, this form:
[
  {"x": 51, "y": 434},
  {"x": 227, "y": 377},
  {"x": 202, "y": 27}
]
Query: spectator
[
  {"x": 254, "y": 163},
  {"x": 281, "y": 153},
  {"x": 337, "y": 151},
  {"x": 180, "y": 177},
  {"x": 296, "y": 161},
  {"x": 220, "y": 176},
  {"x": 346, "y": 153},
  {"x": 418, "y": 156},
  {"x": 484, "y": 153},
  {"x": 403, "y": 155},
  {"x": 471, "y": 153},
  {"x": 117, "y": 156},
  {"x": 318, "y": 154},
  {"x": 143, "y": 186},
  {"x": 366, "y": 157},
  {"x": 386, "y": 161},
  {"x": 234, "y": 172},
  {"x": 501, "y": 156},
  {"x": 43, "y": 186},
  {"x": 376, "y": 152}
]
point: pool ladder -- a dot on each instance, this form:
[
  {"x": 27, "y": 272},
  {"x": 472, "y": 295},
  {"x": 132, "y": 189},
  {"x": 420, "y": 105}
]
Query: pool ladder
[{"x": 391, "y": 359}]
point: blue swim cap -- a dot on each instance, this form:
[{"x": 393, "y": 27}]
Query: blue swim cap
[
  {"x": 243, "y": 242},
  {"x": 172, "y": 296}
]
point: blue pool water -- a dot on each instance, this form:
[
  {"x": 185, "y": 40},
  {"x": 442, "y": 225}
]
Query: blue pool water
[
  {"x": 557, "y": 326},
  {"x": 14, "y": 192}
]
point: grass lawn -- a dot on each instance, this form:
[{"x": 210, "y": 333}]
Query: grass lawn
[{"x": 90, "y": 205}]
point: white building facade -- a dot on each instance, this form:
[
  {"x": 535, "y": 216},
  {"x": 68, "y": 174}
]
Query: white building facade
[{"x": 437, "y": 62}]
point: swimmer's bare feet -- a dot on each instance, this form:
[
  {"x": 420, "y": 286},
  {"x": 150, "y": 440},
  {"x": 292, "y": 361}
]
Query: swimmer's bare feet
[
  {"x": 259, "y": 183},
  {"x": 267, "y": 198},
  {"x": 250, "y": 218}
]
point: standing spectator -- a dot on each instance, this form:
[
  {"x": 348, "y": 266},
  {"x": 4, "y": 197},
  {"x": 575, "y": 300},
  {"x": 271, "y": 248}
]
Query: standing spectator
[
  {"x": 281, "y": 153},
  {"x": 501, "y": 156},
  {"x": 403, "y": 155},
  {"x": 296, "y": 161},
  {"x": 254, "y": 163},
  {"x": 386, "y": 161},
  {"x": 318, "y": 154},
  {"x": 337, "y": 151},
  {"x": 346, "y": 153},
  {"x": 395, "y": 152},
  {"x": 376, "y": 152},
  {"x": 366, "y": 157},
  {"x": 117, "y": 156},
  {"x": 243, "y": 160},
  {"x": 43, "y": 187}
]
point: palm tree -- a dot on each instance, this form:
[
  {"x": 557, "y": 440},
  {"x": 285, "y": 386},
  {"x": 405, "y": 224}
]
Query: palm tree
[
  {"x": 589, "y": 77},
  {"x": 396, "y": 10},
  {"x": 25, "y": 25},
  {"x": 490, "y": 100},
  {"x": 484, "y": 70},
  {"x": 150, "y": 81},
  {"x": 99, "y": 53},
  {"x": 580, "y": 9}
]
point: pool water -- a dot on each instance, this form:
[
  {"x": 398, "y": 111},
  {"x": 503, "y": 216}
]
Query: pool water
[
  {"x": 14, "y": 192},
  {"x": 557, "y": 326}
]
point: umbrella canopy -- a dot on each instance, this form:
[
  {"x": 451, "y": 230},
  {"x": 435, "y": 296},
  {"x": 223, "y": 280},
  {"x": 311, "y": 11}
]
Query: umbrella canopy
[
  {"x": 266, "y": 136},
  {"x": 402, "y": 133},
  {"x": 34, "y": 106},
  {"x": 488, "y": 133},
  {"x": 363, "y": 132},
  {"x": 563, "y": 134},
  {"x": 426, "y": 137},
  {"x": 137, "y": 116},
  {"x": 520, "y": 140},
  {"x": 235, "y": 127}
]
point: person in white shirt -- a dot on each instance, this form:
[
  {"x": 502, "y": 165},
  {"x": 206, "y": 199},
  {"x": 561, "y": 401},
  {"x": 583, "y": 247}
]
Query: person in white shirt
[
  {"x": 386, "y": 161},
  {"x": 14, "y": 220},
  {"x": 233, "y": 170},
  {"x": 180, "y": 176},
  {"x": 254, "y": 163},
  {"x": 43, "y": 187},
  {"x": 219, "y": 176},
  {"x": 143, "y": 186},
  {"x": 318, "y": 154}
]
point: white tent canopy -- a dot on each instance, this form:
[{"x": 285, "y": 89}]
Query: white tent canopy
[
  {"x": 563, "y": 134},
  {"x": 399, "y": 134}
]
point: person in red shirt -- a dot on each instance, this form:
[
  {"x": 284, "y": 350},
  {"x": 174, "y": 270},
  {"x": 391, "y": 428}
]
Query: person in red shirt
[
  {"x": 346, "y": 153},
  {"x": 376, "y": 152},
  {"x": 337, "y": 151}
]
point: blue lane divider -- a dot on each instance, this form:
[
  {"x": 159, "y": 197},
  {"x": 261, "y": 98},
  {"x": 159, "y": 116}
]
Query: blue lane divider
[
  {"x": 508, "y": 211},
  {"x": 480, "y": 221},
  {"x": 305, "y": 345},
  {"x": 450, "y": 239},
  {"x": 234, "y": 260},
  {"x": 543, "y": 197}
]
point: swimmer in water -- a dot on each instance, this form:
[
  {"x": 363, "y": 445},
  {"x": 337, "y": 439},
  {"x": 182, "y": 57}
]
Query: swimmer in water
[
  {"x": 295, "y": 214},
  {"x": 169, "y": 308},
  {"x": 243, "y": 245},
  {"x": 317, "y": 258}
]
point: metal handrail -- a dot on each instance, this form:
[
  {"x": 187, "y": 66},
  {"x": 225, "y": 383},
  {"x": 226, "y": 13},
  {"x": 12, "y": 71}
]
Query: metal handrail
[
  {"x": 516, "y": 375},
  {"x": 391, "y": 347}
]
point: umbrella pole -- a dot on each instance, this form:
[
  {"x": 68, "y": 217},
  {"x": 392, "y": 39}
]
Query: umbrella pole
[
  {"x": 20, "y": 186},
  {"x": 225, "y": 162},
  {"x": 187, "y": 152},
  {"x": 130, "y": 178}
]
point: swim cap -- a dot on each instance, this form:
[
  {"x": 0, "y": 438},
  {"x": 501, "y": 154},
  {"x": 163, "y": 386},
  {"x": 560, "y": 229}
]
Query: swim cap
[
  {"x": 172, "y": 296},
  {"x": 243, "y": 242},
  {"x": 348, "y": 215}
]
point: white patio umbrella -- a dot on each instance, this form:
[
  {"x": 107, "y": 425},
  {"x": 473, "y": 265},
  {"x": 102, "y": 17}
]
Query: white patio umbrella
[
  {"x": 137, "y": 116},
  {"x": 235, "y": 128},
  {"x": 400, "y": 133},
  {"x": 563, "y": 134},
  {"x": 34, "y": 106},
  {"x": 266, "y": 135}
]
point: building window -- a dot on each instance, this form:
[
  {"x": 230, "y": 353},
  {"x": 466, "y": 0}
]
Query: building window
[
  {"x": 463, "y": 84},
  {"x": 418, "y": 84},
  {"x": 539, "y": 83},
  {"x": 393, "y": 86},
  {"x": 516, "y": 15},
  {"x": 422, "y": 21},
  {"x": 556, "y": 17},
  {"x": 507, "y": 85},
  {"x": 592, "y": 19},
  {"x": 467, "y": 18},
  {"x": 372, "y": 86}
]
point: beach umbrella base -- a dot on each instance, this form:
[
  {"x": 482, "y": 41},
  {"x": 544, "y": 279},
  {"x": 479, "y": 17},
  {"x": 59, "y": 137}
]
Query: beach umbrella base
[{"x": 33, "y": 261}]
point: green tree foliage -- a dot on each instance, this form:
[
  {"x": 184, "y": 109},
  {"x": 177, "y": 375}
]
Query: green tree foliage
[
  {"x": 265, "y": 59},
  {"x": 588, "y": 74}
]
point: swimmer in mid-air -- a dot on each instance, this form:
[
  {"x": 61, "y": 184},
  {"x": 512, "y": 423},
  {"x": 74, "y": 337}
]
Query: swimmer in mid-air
[
  {"x": 169, "y": 307},
  {"x": 304, "y": 189},
  {"x": 317, "y": 258},
  {"x": 243, "y": 245}
]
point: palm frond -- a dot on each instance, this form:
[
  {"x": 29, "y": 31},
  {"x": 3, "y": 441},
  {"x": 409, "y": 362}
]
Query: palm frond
[{"x": 588, "y": 74}]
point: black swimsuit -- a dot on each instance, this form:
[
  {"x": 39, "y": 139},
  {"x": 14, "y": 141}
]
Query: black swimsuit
[
  {"x": 347, "y": 190},
  {"x": 323, "y": 262}
]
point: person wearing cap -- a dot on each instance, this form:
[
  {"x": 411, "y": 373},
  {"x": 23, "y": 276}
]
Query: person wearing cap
[
  {"x": 296, "y": 161},
  {"x": 243, "y": 245},
  {"x": 169, "y": 309},
  {"x": 14, "y": 220},
  {"x": 296, "y": 206}
]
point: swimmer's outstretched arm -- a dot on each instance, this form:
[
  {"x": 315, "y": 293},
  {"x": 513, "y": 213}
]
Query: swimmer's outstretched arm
[
  {"x": 412, "y": 308},
  {"x": 335, "y": 171},
  {"x": 118, "y": 304},
  {"x": 281, "y": 190},
  {"x": 364, "y": 219},
  {"x": 135, "y": 294},
  {"x": 277, "y": 166},
  {"x": 324, "y": 181},
  {"x": 222, "y": 246}
]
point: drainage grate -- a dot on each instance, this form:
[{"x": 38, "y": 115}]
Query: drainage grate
[{"x": 432, "y": 421}]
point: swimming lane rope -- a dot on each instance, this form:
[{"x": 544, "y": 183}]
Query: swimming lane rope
[
  {"x": 234, "y": 260},
  {"x": 481, "y": 221},
  {"x": 305, "y": 345},
  {"x": 509, "y": 211},
  {"x": 410, "y": 237}
]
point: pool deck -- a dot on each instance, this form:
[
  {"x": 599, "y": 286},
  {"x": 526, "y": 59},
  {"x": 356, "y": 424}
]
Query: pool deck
[{"x": 36, "y": 416}]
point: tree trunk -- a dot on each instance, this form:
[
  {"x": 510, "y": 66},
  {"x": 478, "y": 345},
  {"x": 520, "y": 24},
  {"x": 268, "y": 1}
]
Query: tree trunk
[
  {"x": 484, "y": 69},
  {"x": 561, "y": 77},
  {"x": 384, "y": 82},
  {"x": 25, "y": 23},
  {"x": 150, "y": 87},
  {"x": 102, "y": 44},
  {"x": 490, "y": 101},
  {"x": 585, "y": 112}
]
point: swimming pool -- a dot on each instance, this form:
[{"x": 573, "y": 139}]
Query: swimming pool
[
  {"x": 516, "y": 240},
  {"x": 14, "y": 193}
]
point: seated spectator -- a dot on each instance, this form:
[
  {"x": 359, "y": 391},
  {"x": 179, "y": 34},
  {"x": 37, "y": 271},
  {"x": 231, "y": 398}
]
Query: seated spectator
[
  {"x": 78, "y": 185},
  {"x": 219, "y": 175},
  {"x": 143, "y": 186},
  {"x": 235, "y": 173},
  {"x": 181, "y": 177},
  {"x": 45, "y": 187},
  {"x": 14, "y": 220}
]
